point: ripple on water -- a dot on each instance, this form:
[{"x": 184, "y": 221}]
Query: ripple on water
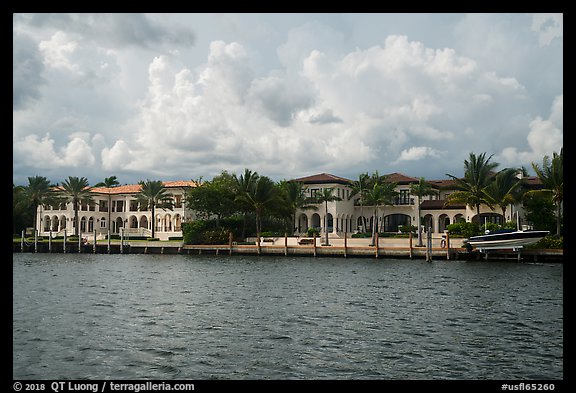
[{"x": 193, "y": 317}]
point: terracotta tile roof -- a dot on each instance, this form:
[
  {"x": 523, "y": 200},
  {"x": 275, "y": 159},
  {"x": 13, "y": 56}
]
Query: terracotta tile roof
[
  {"x": 401, "y": 178},
  {"x": 323, "y": 178},
  {"x": 444, "y": 183},
  {"x": 135, "y": 188},
  {"x": 532, "y": 181}
]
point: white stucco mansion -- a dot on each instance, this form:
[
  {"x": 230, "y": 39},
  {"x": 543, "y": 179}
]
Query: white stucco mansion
[
  {"x": 116, "y": 209},
  {"x": 345, "y": 216}
]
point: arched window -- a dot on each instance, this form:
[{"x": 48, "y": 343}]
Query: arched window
[
  {"x": 315, "y": 220},
  {"x": 302, "y": 223},
  {"x": 330, "y": 223}
]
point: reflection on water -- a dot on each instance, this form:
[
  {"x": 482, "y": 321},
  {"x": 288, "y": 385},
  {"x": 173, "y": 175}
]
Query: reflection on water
[{"x": 208, "y": 317}]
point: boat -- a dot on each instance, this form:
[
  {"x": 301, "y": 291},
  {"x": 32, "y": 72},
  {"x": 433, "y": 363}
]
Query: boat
[{"x": 506, "y": 239}]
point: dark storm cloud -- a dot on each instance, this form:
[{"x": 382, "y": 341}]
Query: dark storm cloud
[
  {"x": 325, "y": 117},
  {"x": 27, "y": 70},
  {"x": 119, "y": 29}
]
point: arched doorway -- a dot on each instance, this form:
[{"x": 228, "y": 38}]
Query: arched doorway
[
  {"x": 392, "y": 222},
  {"x": 302, "y": 225},
  {"x": 429, "y": 222},
  {"x": 118, "y": 223},
  {"x": 443, "y": 222},
  {"x": 330, "y": 223},
  {"x": 316, "y": 221},
  {"x": 144, "y": 222}
]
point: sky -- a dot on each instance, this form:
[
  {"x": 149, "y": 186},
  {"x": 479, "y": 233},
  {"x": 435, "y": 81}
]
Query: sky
[{"x": 187, "y": 96}]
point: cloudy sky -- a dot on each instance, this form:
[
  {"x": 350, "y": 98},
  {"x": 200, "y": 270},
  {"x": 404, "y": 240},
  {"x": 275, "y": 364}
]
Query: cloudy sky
[{"x": 183, "y": 96}]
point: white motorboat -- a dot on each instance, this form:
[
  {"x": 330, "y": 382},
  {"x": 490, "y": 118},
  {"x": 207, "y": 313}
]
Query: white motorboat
[{"x": 506, "y": 239}]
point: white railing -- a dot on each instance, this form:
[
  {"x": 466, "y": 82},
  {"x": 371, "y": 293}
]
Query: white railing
[{"x": 137, "y": 232}]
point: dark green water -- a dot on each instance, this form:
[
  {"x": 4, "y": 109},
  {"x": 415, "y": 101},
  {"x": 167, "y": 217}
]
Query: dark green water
[{"x": 87, "y": 316}]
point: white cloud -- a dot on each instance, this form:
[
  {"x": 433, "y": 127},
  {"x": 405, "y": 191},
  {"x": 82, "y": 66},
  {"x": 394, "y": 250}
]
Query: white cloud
[
  {"x": 548, "y": 27},
  {"x": 146, "y": 102},
  {"x": 544, "y": 138},
  {"x": 57, "y": 51},
  {"x": 117, "y": 156},
  {"x": 416, "y": 153},
  {"x": 38, "y": 151}
]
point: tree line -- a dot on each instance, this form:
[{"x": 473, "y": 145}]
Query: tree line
[{"x": 243, "y": 203}]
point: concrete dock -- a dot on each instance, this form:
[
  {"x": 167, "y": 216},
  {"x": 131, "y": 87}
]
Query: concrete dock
[{"x": 289, "y": 246}]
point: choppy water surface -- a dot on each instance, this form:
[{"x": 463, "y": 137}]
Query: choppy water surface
[{"x": 209, "y": 317}]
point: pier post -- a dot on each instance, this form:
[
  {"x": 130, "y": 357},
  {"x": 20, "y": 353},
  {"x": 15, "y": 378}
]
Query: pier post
[
  {"x": 376, "y": 243},
  {"x": 36, "y": 240},
  {"x": 258, "y": 243},
  {"x": 429, "y": 245},
  {"x": 22, "y": 242},
  {"x": 121, "y": 240},
  {"x": 79, "y": 241},
  {"x": 230, "y": 242},
  {"x": 108, "y": 235},
  {"x": 285, "y": 244},
  {"x": 410, "y": 242},
  {"x": 94, "y": 246},
  {"x": 50, "y": 240},
  {"x": 345, "y": 244},
  {"x": 314, "y": 240},
  {"x": 64, "y": 242},
  {"x": 447, "y": 246}
]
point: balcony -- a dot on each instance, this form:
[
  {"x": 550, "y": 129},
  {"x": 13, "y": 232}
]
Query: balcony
[{"x": 403, "y": 201}]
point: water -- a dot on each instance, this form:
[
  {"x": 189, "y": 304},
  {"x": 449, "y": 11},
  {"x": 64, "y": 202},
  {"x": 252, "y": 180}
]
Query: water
[{"x": 87, "y": 316}]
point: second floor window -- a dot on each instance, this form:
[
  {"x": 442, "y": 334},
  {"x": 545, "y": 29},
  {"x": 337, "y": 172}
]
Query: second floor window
[{"x": 404, "y": 197}]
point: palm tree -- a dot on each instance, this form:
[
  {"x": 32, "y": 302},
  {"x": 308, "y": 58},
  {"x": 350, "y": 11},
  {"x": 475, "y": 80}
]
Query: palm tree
[
  {"x": 504, "y": 189},
  {"x": 324, "y": 197},
  {"x": 551, "y": 176},
  {"x": 262, "y": 194},
  {"x": 294, "y": 196},
  {"x": 359, "y": 187},
  {"x": 420, "y": 189},
  {"x": 477, "y": 175},
  {"x": 153, "y": 194},
  {"x": 109, "y": 182},
  {"x": 76, "y": 190},
  {"x": 381, "y": 193},
  {"x": 243, "y": 185},
  {"x": 38, "y": 191}
]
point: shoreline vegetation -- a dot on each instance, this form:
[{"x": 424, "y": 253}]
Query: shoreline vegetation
[{"x": 231, "y": 208}]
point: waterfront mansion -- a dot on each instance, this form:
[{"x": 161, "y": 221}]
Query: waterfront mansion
[{"x": 116, "y": 210}]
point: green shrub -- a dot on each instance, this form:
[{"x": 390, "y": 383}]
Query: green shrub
[
  {"x": 152, "y": 239},
  {"x": 313, "y": 231},
  {"x": 203, "y": 232},
  {"x": 407, "y": 228},
  {"x": 463, "y": 229},
  {"x": 271, "y": 234},
  {"x": 215, "y": 236},
  {"x": 550, "y": 242},
  {"x": 361, "y": 235},
  {"x": 192, "y": 232}
]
